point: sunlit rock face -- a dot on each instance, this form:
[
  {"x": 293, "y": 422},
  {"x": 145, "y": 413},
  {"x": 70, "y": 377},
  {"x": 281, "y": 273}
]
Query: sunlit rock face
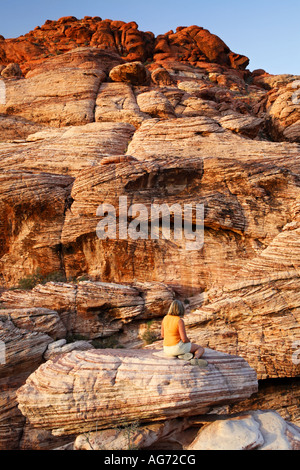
[
  {"x": 116, "y": 392},
  {"x": 98, "y": 119}
]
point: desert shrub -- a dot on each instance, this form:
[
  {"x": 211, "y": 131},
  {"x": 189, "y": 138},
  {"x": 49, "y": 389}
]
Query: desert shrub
[{"x": 149, "y": 336}]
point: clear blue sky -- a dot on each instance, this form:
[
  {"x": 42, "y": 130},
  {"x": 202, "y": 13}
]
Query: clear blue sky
[{"x": 266, "y": 31}]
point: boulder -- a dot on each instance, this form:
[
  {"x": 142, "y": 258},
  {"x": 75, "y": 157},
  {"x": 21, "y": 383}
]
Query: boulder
[
  {"x": 283, "y": 109},
  {"x": 260, "y": 430},
  {"x": 245, "y": 125},
  {"x": 116, "y": 103},
  {"x": 62, "y": 347},
  {"x": 108, "y": 389},
  {"x": 161, "y": 77},
  {"x": 132, "y": 72},
  {"x": 192, "y": 106},
  {"x": 39, "y": 319},
  {"x": 11, "y": 71},
  {"x": 199, "y": 45},
  {"x": 135, "y": 436},
  {"x": 155, "y": 104}
]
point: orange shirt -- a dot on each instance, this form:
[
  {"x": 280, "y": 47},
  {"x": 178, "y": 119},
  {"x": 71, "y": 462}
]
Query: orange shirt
[{"x": 171, "y": 331}]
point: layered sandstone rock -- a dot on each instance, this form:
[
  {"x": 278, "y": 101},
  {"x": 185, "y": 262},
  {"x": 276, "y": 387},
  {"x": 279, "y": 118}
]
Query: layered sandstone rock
[
  {"x": 244, "y": 125},
  {"x": 283, "y": 108},
  {"x": 116, "y": 103},
  {"x": 131, "y": 72},
  {"x": 237, "y": 180},
  {"x": 32, "y": 212},
  {"x": 115, "y": 391},
  {"x": 57, "y": 348},
  {"x": 67, "y": 150},
  {"x": 21, "y": 353},
  {"x": 47, "y": 94},
  {"x": 272, "y": 324},
  {"x": 281, "y": 396},
  {"x": 134, "y": 436},
  {"x": 155, "y": 104},
  {"x": 36, "y": 319},
  {"x": 160, "y": 76},
  {"x": 104, "y": 111},
  {"x": 16, "y": 128},
  {"x": 255, "y": 431},
  {"x": 89, "y": 309}
]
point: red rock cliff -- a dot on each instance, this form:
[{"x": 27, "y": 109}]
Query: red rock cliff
[{"x": 191, "y": 44}]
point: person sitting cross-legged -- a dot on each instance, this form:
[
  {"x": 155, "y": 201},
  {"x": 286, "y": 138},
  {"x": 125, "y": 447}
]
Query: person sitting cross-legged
[{"x": 176, "y": 343}]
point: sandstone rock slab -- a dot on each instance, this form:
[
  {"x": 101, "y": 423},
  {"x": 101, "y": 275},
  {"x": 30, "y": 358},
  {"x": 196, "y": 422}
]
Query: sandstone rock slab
[
  {"x": 47, "y": 94},
  {"x": 107, "y": 388},
  {"x": 40, "y": 319},
  {"x": 155, "y": 104},
  {"x": 90, "y": 309},
  {"x": 283, "y": 109},
  {"x": 14, "y": 128},
  {"x": 116, "y": 102},
  {"x": 67, "y": 150}
]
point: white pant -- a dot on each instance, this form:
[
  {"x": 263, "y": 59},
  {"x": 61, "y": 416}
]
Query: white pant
[{"x": 177, "y": 349}]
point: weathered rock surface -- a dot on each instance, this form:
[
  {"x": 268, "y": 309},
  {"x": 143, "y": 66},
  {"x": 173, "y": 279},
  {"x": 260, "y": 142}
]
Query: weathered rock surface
[
  {"x": 95, "y": 110},
  {"x": 255, "y": 431},
  {"x": 259, "y": 430},
  {"x": 160, "y": 76},
  {"x": 21, "y": 353},
  {"x": 116, "y": 103},
  {"x": 67, "y": 150},
  {"x": 155, "y": 104},
  {"x": 283, "y": 107},
  {"x": 245, "y": 125},
  {"x": 272, "y": 324},
  {"x": 32, "y": 213},
  {"x": 11, "y": 71},
  {"x": 131, "y": 72},
  {"x": 61, "y": 346},
  {"x": 135, "y": 436},
  {"x": 109, "y": 389},
  {"x": 238, "y": 182},
  {"x": 281, "y": 396},
  {"x": 90, "y": 309},
  {"x": 16, "y": 128},
  {"x": 23, "y": 349},
  {"x": 36, "y": 319},
  {"x": 47, "y": 94}
]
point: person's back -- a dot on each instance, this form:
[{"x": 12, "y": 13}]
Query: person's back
[
  {"x": 171, "y": 330},
  {"x": 176, "y": 342}
]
